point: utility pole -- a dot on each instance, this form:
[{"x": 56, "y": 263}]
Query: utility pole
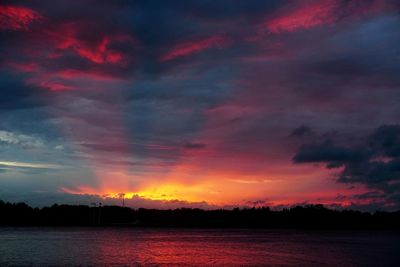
[{"x": 122, "y": 195}]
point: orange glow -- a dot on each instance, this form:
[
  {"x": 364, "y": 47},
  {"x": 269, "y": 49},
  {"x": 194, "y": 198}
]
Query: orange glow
[
  {"x": 162, "y": 192},
  {"x": 229, "y": 189}
]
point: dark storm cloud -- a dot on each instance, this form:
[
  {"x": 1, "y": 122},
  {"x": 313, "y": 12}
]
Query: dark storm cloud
[
  {"x": 328, "y": 151},
  {"x": 386, "y": 140},
  {"x": 375, "y": 162}
]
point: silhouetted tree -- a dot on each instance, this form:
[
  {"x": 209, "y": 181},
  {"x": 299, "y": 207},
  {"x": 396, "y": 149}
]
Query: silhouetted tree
[{"x": 303, "y": 217}]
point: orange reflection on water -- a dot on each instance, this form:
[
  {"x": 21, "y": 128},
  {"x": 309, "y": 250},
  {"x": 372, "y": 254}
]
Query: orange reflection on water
[
  {"x": 185, "y": 247},
  {"x": 179, "y": 247}
]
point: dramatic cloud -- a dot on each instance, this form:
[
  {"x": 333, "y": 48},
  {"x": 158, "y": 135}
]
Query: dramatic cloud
[
  {"x": 329, "y": 152},
  {"x": 201, "y": 101},
  {"x": 375, "y": 162}
]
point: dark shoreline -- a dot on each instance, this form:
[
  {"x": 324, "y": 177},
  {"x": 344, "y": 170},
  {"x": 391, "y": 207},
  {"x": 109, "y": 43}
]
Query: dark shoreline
[{"x": 310, "y": 217}]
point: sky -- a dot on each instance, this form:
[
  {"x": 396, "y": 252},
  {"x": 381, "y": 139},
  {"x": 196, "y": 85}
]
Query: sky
[{"x": 203, "y": 104}]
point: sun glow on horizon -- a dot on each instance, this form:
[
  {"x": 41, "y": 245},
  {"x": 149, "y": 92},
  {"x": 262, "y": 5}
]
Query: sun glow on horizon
[
  {"x": 166, "y": 192},
  {"x": 219, "y": 189}
]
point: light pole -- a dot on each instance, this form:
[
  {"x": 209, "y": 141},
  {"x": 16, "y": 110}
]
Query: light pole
[{"x": 122, "y": 195}]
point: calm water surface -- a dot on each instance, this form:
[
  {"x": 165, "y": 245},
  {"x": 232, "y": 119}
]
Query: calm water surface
[{"x": 171, "y": 247}]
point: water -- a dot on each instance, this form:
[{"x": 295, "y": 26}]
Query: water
[{"x": 187, "y": 247}]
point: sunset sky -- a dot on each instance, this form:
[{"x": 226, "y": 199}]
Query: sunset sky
[{"x": 201, "y": 103}]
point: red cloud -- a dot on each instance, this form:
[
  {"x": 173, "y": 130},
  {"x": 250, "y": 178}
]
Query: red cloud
[
  {"x": 99, "y": 52},
  {"x": 69, "y": 38},
  {"x": 55, "y": 86},
  {"x": 304, "y": 17},
  {"x": 22, "y": 67},
  {"x": 189, "y": 48},
  {"x": 319, "y": 13},
  {"x": 65, "y": 80},
  {"x": 93, "y": 74},
  {"x": 16, "y": 17}
]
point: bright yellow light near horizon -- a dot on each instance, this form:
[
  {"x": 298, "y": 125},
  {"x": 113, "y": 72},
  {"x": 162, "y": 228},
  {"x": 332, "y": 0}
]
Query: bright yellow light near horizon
[
  {"x": 165, "y": 192},
  {"x": 215, "y": 189}
]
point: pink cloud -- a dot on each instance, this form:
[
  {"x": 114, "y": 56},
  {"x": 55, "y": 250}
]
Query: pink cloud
[
  {"x": 17, "y": 17},
  {"x": 68, "y": 38},
  {"x": 55, "y": 86},
  {"x": 22, "y": 67},
  {"x": 194, "y": 47},
  {"x": 313, "y": 14},
  {"x": 305, "y": 17}
]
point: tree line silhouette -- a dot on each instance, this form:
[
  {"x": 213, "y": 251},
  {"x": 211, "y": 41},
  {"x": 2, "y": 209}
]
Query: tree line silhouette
[{"x": 301, "y": 217}]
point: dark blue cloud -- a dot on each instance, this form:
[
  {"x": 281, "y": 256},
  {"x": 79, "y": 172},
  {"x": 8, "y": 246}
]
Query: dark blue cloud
[
  {"x": 15, "y": 94},
  {"x": 327, "y": 151},
  {"x": 374, "y": 163}
]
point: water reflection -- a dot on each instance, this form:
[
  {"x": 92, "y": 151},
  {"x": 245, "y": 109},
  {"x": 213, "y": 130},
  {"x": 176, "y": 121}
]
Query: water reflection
[{"x": 117, "y": 247}]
